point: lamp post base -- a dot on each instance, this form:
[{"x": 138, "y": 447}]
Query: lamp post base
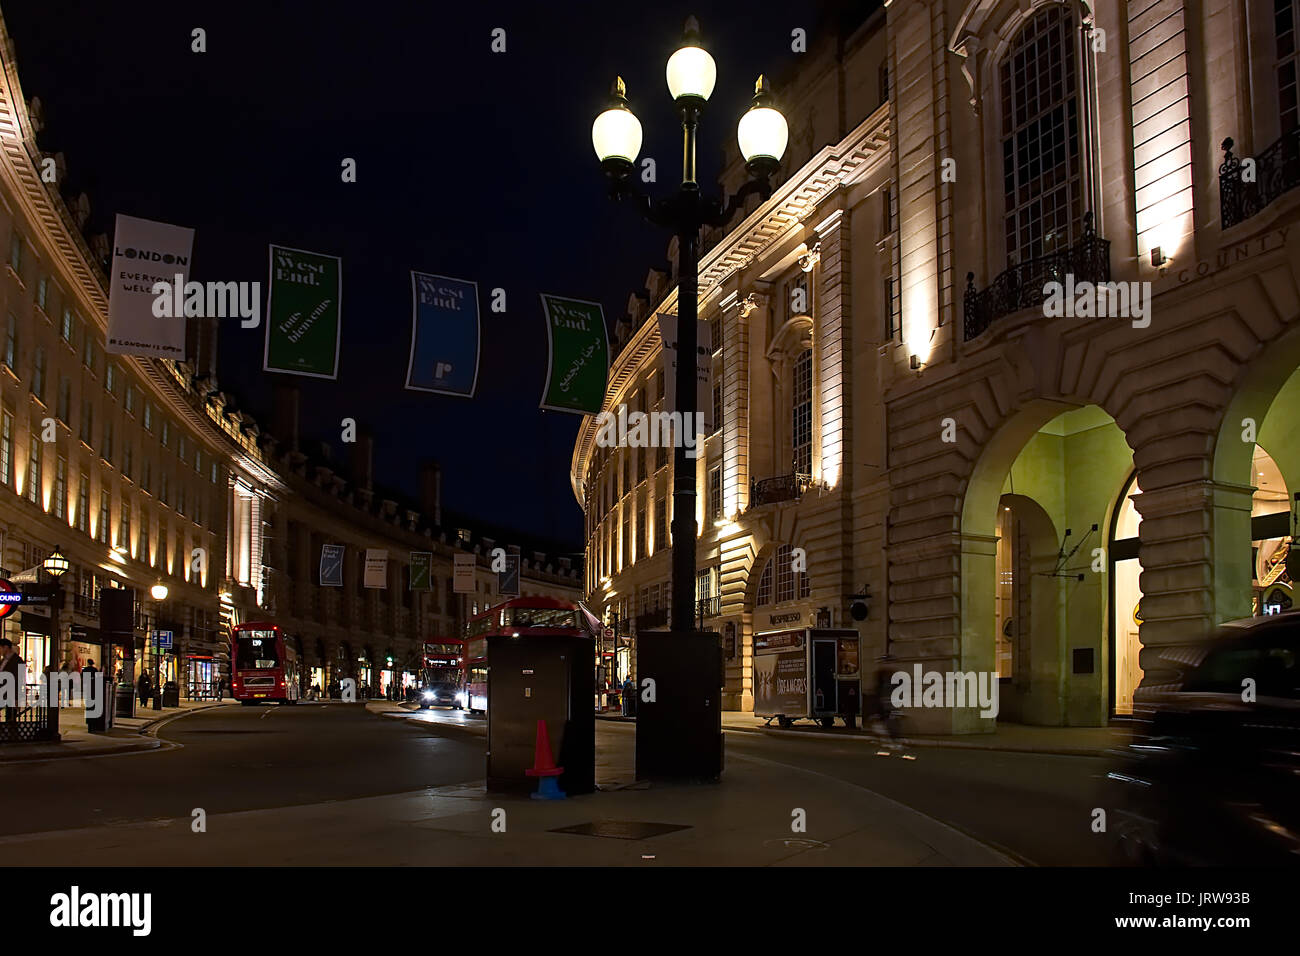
[{"x": 679, "y": 731}]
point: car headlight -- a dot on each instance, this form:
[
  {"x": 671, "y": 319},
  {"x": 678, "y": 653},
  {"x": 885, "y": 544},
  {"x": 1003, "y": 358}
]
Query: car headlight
[{"x": 428, "y": 695}]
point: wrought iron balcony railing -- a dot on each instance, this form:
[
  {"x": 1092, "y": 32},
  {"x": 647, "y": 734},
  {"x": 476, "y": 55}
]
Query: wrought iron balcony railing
[
  {"x": 652, "y": 619},
  {"x": 781, "y": 488},
  {"x": 708, "y": 607},
  {"x": 1277, "y": 171},
  {"x": 1021, "y": 286}
]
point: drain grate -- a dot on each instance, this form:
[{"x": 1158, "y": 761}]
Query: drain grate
[{"x": 621, "y": 829}]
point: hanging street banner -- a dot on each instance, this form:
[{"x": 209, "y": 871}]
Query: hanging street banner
[
  {"x": 444, "y": 335},
  {"x": 145, "y": 253},
  {"x": 463, "y": 574},
  {"x": 331, "y": 565},
  {"x": 303, "y": 309},
  {"x": 579, "y": 355},
  {"x": 508, "y": 580},
  {"x": 376, "y": 568},
  {"x": 421, "y": 570},
  {"x": 703, "y": 368}
]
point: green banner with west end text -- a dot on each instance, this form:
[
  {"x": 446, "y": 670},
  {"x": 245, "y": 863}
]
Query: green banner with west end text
[
  {"x": 579, "y": 355},
  {"x": 303, "y": 312}
]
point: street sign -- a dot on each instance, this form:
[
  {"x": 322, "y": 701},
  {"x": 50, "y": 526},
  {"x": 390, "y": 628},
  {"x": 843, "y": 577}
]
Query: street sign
[
  {"x": 463, "y": 573},
  {"x": 38, "y": 595},
  {"x": 10, "y": 598},
  {"x": 162, "y": 639}
]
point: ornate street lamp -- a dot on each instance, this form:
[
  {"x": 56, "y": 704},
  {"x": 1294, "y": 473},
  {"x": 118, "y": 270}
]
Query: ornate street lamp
[
  {"x": 56, "y": 565},
  {"x": 616, "y": 135},
  {"x": 158, "y": 592}
]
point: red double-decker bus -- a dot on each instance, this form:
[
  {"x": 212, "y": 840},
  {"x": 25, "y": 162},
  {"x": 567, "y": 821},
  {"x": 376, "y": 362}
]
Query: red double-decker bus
[
  {"x": 518, "y": 616},
  {"x": 264, "y": 667},
  {"x": 442, "y": 672}
]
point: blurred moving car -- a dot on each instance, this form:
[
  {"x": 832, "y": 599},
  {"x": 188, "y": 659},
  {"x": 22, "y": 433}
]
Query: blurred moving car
[
  {"x": 1215, "y": 779},
  {"x": 437, "y": 695}
]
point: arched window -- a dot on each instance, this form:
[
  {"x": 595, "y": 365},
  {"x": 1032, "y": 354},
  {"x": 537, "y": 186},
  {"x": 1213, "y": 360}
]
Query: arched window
[
  {"x": 1041, "y": 155},
  {"x": 789, "y": 582}
]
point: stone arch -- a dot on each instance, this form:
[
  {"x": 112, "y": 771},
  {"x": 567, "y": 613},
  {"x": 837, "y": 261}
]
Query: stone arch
[
  {"x": 1263, "y": 385},
  {"x": 1080, "y": 463}
]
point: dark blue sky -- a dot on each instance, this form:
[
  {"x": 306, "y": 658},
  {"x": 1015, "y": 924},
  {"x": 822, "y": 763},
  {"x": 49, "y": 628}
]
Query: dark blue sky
[{"x": 470, "y": 164}]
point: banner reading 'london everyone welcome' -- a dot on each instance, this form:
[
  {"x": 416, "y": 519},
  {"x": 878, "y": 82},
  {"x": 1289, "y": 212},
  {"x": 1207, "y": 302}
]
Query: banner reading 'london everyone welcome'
[
  {"x": 302, "y": 331},
  {"x": 579, "y": 355},
  {"x": 145, "y": 253}
]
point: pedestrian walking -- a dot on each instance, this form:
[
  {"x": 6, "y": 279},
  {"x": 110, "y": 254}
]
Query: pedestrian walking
[
  {"x": 11, "y": 662},
  {"x": 629, "y": 697},
  {"x": 143, "y": 687},
  {"x": 878, "y": 712}
]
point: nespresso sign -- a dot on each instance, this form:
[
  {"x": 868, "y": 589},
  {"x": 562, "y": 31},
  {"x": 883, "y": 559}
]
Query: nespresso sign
[{"x": 791, "y": 617}]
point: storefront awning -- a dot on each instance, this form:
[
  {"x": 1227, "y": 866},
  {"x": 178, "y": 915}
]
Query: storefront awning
[{"x": 33, "y": 623}]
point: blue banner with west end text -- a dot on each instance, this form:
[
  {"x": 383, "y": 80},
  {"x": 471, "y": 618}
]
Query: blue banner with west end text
[{"x": 444, "y": 335}]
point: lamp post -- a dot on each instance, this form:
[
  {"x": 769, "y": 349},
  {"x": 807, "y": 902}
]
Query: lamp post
[
  {"x": 616, "y": 136},
  {"x": 56, "y": 565},
  {"x": 159, "y": 593}
]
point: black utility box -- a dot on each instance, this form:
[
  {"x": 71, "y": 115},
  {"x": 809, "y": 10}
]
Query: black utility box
[
  {"x": 679, "y": 732},
  {"x": 534, "y": 677}
]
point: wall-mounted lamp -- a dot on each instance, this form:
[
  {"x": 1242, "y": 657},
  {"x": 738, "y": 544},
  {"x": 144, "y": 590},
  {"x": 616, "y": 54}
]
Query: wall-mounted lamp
[
  {"x": 916, "y": 363},
  {"x": 860, "y": 604},
  {"x": 1158, "y": 258}
]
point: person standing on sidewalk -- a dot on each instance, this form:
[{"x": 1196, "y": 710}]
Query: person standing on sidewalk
[
  {"x": 143, "y": 687},
  {"x": 11, "y": 662}
]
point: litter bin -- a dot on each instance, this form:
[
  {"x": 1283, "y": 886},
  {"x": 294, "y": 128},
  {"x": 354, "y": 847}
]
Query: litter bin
[
  {"x": 171, "y": 694},
  {"x": 124, "y": 700},
  {"x": 98, "y": 725}
]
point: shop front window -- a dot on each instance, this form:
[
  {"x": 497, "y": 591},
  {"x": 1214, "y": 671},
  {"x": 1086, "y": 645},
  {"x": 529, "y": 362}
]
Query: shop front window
[{"x": 1270, "y": 519}]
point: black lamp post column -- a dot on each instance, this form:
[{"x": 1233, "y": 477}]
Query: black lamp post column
[
  {"x": 684, "y": 491},
  {"x": 679, "y": 732}
]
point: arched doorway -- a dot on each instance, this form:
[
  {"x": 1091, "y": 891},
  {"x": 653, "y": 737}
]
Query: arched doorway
[
  {"x": 1034, "y": 586},
  {"x": 1256, "y": 464},
  {"x": 1125, "y": 600}
]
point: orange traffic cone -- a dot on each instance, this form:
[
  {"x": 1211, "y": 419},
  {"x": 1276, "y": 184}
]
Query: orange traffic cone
[{"x": 548, "y": 784}]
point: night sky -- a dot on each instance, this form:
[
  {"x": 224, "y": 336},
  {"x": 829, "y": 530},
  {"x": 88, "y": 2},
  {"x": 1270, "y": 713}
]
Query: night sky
[{"x": 469, "y": 164}]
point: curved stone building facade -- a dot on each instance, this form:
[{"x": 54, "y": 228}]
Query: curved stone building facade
[{"x": 1066, "y": 489}]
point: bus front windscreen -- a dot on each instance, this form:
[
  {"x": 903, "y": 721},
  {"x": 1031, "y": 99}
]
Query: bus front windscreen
[{"x": 256, "y": 650}]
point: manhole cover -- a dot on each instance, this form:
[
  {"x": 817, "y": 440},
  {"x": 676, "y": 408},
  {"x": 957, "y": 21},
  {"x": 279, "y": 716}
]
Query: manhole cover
[
  {"x": 797, "y": 844},
  {"x": 621, "y": 829}
]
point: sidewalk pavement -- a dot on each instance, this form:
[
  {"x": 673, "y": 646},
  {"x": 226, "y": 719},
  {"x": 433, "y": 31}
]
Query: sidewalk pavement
[
  {"x": 129, "y": 734},
  {"x": 1017, "y": 738}
]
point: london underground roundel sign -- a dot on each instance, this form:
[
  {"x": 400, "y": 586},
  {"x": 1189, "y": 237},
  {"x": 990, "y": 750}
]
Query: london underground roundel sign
[{"x": 10, "y": 598}]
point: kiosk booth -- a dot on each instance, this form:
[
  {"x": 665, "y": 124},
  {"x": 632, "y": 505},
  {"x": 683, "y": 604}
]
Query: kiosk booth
[
  {"x": 540, "y": 676},
  {"x": 807, "y": 672}
]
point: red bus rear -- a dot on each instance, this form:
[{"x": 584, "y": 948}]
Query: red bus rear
[{"x": 263, "y": 665}]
